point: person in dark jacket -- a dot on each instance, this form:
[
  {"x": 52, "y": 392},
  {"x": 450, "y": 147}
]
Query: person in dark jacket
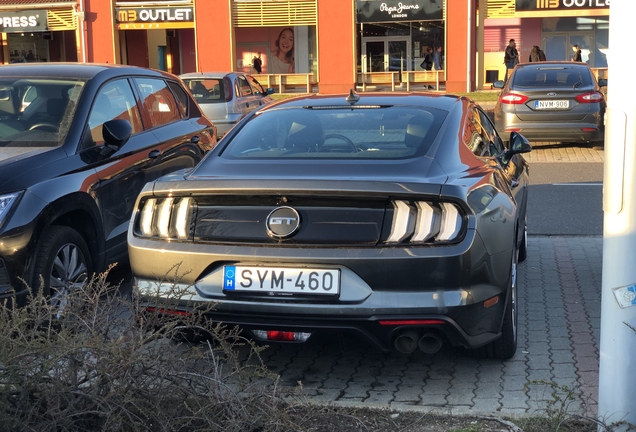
[
  {"x": 511, "y": 56},
  {"x": 577, "y": 54}
]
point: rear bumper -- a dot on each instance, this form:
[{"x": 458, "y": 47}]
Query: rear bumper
[
  {"x": 450, "y": 284},
  {"x": 373, "y": 328},
  {"x": 579, "y": 131}
]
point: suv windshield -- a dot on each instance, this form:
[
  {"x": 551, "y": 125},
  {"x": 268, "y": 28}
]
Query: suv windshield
[
  {"x": 37, "y": 112},
  {"x": 370, "y": 132},
  {"x": 564, "y": 77}
]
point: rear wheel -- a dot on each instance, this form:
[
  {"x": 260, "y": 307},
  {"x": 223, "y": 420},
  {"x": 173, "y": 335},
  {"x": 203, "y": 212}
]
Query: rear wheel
[
  {"x": 506, "y": 346},
  {"x": 62, "y": 264}
]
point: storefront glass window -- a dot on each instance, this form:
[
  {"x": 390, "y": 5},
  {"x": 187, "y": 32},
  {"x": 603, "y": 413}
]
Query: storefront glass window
[
  {"x": 282, "y": 50},
  {"x": 27, "y": 47},
  {"x": 400, "y": 46}
]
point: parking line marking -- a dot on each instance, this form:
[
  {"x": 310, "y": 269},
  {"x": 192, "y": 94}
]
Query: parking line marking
[{"x": 577, "y": 184}]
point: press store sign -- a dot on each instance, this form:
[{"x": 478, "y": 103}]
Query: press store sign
[
  {"x": 154, "y": 18},
  {"x": 19, "y": 22}
]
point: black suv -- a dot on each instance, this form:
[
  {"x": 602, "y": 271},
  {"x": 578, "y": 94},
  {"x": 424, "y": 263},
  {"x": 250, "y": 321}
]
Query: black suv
[{"x": 77, "y": 144}]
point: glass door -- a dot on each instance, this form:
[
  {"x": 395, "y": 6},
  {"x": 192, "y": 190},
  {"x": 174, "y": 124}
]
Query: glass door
[
  {"x": 398, "y": 59},
  {"x": 556, "y": 48},
  {"x": 559, "y": 47},
  {"x": 375, "y": 53}
]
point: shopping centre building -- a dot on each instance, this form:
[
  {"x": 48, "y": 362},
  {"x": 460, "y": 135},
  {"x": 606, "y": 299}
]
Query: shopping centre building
[{"x": 334, "y": 44}]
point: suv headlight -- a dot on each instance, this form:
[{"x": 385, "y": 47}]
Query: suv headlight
[{"x": 6, "y": 202}]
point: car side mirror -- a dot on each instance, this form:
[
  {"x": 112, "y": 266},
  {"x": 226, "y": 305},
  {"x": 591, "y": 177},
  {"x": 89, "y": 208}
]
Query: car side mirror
[
  {"x": 269, "y": 91},
  {"x": 602, "y": 82},
  {"x": 116, "y": 133},
  {"x": 518, "y": 144},
  {"x": 498, "y": 84}
]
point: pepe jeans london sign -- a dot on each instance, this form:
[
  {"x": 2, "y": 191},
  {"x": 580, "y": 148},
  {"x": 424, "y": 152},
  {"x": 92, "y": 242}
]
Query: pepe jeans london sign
[{"x": 370, "y": 11}]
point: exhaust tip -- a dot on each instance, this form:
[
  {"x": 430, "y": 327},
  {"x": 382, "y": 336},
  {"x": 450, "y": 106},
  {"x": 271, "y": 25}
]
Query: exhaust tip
[
  {"x": 430, "y": 343},
  {"x": 406, "y": 342}
]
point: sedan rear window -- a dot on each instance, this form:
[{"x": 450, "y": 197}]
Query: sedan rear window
[
  {"x": 370, "y": 132},
  {"x": 566, "y": 77},
  {"x": 208, "y": 90}
]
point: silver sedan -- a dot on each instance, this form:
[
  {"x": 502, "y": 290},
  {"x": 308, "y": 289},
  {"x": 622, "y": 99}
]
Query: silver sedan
[{"x": 552, "y": 101}]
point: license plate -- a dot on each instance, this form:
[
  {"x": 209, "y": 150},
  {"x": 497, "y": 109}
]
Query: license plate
[
  {"x": 281, "y": 280},
  {"x": 551, "y": 104}
]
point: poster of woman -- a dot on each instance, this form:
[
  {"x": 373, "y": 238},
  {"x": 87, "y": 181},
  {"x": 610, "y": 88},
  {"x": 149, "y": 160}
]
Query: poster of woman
[{"x": 282, "y": 59}]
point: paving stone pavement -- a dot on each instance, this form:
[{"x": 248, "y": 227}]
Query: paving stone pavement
[{"x": 559, "y": 326}]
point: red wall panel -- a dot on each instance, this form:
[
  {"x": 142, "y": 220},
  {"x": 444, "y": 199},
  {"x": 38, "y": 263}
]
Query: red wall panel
[
  {"x": 214, "y": 34},
  {"x": 336, "y": 46},
  {"x": 99, "y": 25}
]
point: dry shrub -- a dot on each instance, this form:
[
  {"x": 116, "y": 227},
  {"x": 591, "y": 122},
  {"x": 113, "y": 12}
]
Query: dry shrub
[{"x": 101, "y": 363}]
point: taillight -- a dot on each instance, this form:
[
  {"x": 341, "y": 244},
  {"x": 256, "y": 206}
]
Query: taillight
[
  {"x": 591, "y": 97},
  {"x": 513, "y": 98},
  {"x": 229, "y": 89},
  {"x": 166, "y": 218},
  {"x": 422, "y": 221}
]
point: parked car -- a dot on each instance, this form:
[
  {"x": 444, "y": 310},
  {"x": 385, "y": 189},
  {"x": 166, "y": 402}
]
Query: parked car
[
  {"x": 226, "y": 97},
  {"x": 401, "y": 217},
  {"x": 77, "y": 144},
  {"x": 552, "y": 101}
]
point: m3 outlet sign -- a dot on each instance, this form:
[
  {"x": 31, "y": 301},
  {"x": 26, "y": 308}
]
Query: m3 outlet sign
[{"x": 154, "y": 17}]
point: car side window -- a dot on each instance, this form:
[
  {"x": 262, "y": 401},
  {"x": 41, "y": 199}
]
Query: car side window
[
  {"x": 182, "y": 97},
  {"x": 476, "y": 143},
  {"x": 256, "y": 86},
  {"x": 115, "y": 100},
  {"x": 494, "y": 142},
  {"x": 158, "y": 102},
  {"x": 246, "y": 90}
]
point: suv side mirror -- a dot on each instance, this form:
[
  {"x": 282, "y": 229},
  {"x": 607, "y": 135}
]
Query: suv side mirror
[
  {"x": 116, "y": 133},
  {"x": 269, "y": 91},
  {"x": 498, "y": 84},
  {"x": 602, "y": 82}
]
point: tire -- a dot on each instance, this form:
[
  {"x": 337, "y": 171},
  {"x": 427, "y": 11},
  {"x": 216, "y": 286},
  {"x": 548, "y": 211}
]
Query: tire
[
  {"x": 523, "y": 249},
  {"x": 63, "y": 262},
  {"x": 505, "y": 346}
]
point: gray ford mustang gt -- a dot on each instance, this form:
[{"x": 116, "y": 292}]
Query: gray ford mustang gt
[{"x": 399, "y": 217}]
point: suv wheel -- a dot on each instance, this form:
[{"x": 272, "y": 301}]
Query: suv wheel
[{"x": 63, "y": 262}]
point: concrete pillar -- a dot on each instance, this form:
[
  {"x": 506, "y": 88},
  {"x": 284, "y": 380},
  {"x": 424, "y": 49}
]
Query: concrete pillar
[{"x": 336, "y": 46}]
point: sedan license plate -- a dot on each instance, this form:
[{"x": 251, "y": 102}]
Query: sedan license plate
[
  {"x": 551, "y": 104},
  {"x": 281, "y": 280}
]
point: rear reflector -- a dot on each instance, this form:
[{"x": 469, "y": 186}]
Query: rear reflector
[
  {"x": 491, "y": 302},
  {"x": 589, "y": 129},
  {"x": 168, "y": 311},
  {"x": 281, "y": 336},
  {"x": 513, "y": 129},
  {"x": 411, "y": 322}
]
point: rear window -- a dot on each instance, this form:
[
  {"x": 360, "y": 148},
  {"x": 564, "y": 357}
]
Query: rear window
[
  {"x": 568, "y": 77},
  {"x": 206, "y": 90},
  {"x": 337, "y": 132}
]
